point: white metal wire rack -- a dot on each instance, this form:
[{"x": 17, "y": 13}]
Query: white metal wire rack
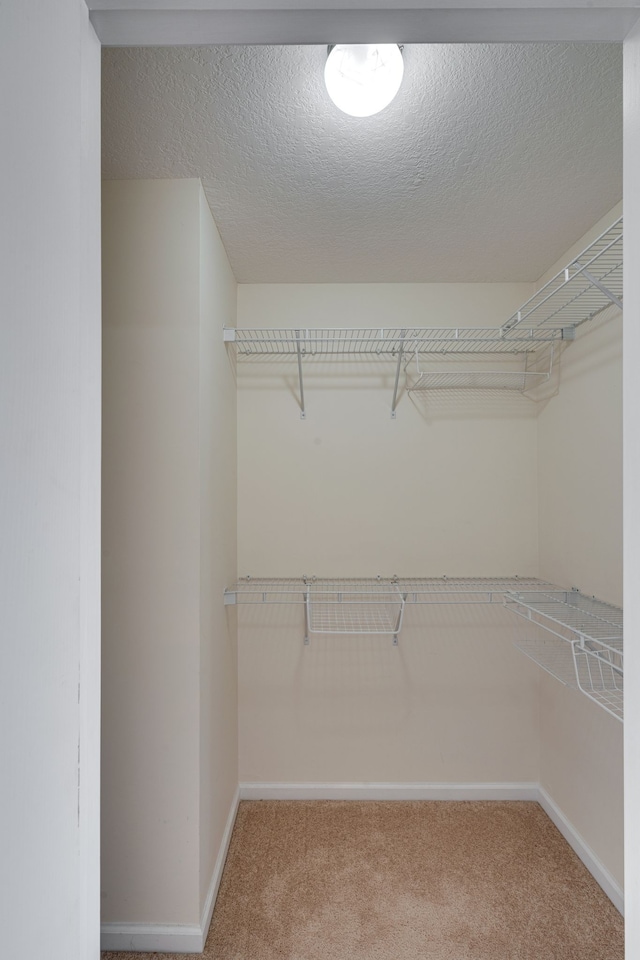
[
  {"x": 392, "y": 344},
  {"x": 382, "y": 341},
  {"x": 591, "y": 282},
  {"x": 580, "y": 641},
  {"x": 577, "y": 639},
  {"x": 372, "y": 605},
  {"x": 353, "y": 608},
  {"x": 600, "y": 673},
  {"x": 503, "y": 370},
  {"x": 417, "y": 589}
]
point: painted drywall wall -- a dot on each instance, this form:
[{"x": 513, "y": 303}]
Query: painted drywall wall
[
  {"x": 218, "y": 543},
  {"x": 50, "y": 486},
  {"x": 169, "y": 714},
  {"x": 151, "y": 543},
  {"x": 631, "y": 480},
  {"x": 580, "y": 536},
  {"x": 580, "y": 457},
  {"x": 350, "y": 492},
  {"x": 450, "y": 487}
]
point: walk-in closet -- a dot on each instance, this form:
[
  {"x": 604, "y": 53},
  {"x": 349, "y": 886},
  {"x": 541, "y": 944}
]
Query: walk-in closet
[{"x": 362, "y": 505}]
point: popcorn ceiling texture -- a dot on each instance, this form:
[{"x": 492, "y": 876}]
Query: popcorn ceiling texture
[{"x": 492, "y": 160}]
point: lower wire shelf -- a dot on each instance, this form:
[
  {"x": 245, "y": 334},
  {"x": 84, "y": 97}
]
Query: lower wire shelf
[
  {"x": 374, "y": 605},
  {"x": 357, "y": 608},
  {"x": 577, "y": 639}
]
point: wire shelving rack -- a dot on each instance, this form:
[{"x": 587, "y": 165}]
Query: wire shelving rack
[
  {"x": 523, "y": 370},
  {"x": 576, "y": 638},
  {"x": 353, "y": 608},
  {"x": 580, "y": 641},
  {"x": 591, "y": 282},
  {"x": 371, "y": 605}
]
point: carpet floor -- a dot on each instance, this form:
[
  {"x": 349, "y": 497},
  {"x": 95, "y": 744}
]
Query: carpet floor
[{"x": 325, "y": 880}]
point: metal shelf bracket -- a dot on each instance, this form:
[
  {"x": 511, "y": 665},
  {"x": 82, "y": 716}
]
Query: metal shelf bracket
[
  {"x": 394, "y": 402},
  {"x": 303, "y": 415}
]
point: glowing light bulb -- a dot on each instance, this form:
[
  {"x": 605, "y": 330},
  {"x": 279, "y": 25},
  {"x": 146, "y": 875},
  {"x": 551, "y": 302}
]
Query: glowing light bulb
[{"x": 363, "y": 78}]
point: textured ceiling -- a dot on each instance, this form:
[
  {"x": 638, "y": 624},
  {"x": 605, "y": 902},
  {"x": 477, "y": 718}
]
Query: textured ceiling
[{"x": 492, "y": 160}]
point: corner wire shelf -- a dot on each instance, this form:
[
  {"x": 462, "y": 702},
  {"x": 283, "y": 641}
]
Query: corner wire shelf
[
  {"x": 591, "y": 282},
  {"x": 371, "y": 606},
  {"x": 579, "y": 642}
]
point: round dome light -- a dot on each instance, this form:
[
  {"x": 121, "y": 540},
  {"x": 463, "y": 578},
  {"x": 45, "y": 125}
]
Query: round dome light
[{"x": 363, "y": 78}]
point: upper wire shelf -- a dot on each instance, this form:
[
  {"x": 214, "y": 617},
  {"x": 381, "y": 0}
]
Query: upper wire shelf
[
  {"x": 382, "y": 341},
  {"x": 591, "y": 282},
  {"x": 581, "y": 642}
]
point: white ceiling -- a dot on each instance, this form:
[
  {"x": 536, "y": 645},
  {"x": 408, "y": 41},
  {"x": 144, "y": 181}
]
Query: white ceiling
[{"x": 491, "y": 162}]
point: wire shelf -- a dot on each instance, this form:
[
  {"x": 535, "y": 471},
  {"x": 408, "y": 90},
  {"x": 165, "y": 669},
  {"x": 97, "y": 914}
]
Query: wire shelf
[
  {"x": 600, "y": 674},
  {"x": 582, "y": 642},
  {"x": 386, "y": 342},
  {"x": 575, "y": 638},
  {"x": 416, "y": 590},
  {"x": 357, "y": 608},
  {"x": 591, "y": 282},
  {"x": 506, "y": 370},
  {"x": 371, "y": 605}
]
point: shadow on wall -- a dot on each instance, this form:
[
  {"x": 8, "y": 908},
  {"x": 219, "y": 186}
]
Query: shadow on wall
[
  {"x": 346, "y": 684},
  {"x": 441, "y": 402}
]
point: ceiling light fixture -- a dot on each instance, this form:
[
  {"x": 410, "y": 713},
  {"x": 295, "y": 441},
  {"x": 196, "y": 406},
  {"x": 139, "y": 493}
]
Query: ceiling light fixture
[{"x": 363, "y": 78}]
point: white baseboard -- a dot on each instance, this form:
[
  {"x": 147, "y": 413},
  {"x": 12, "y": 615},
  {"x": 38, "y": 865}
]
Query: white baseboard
[
  {"x": 214, "y": 886},
  {"x": 595, "y": 866},
  {"x": 173, "y": 937},
  {"x": 388, "y": 791},
  {"x": 151, "y": 937}
]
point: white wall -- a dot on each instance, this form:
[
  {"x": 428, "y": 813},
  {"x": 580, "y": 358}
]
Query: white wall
[
  {"x": 450, "y": 487},
  {"x": 350, "y": 492},
  {"x": 51, "y": 371},
  {"x": 151, "y": 563},
  {"x": 580, "y": 454},
  {"x": 169, "y": 715},
  {"x": 50, "y": 486},
  {"x": 631, "y": 514},
  {"x": 580, "y": 490},
  {"x": 218, "y": 549}
]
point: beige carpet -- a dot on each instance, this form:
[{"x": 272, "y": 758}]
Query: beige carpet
[{"x": 406, "y": 881}]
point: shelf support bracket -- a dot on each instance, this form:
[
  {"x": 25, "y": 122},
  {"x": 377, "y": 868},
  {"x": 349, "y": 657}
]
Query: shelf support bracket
[
  {"x": 601, "y": 287},
  {"x": 394, "y": 402},
  {"x": 303, "y": 415},
  {"x": 306, "y": 618}
]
